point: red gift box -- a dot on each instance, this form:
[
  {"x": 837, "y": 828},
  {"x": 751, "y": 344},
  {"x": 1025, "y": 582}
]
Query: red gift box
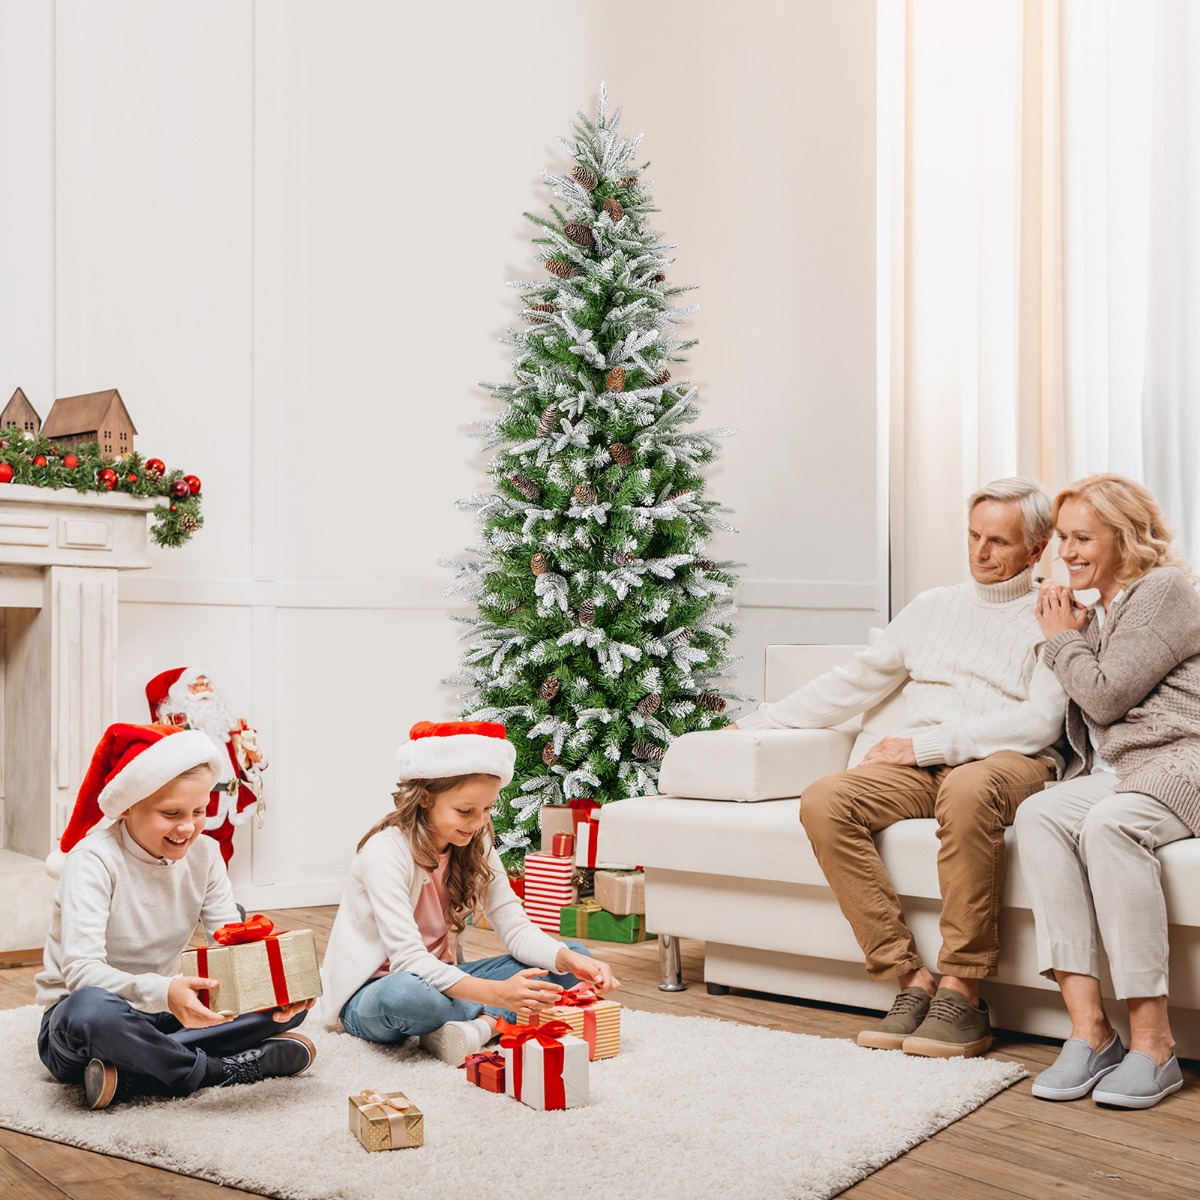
[
  {"x": 563, "y": 845},
  {"x": 486, "y": 1071},
  {"x": 517, "y": 883},
  {"x": 548, "y": 889}
]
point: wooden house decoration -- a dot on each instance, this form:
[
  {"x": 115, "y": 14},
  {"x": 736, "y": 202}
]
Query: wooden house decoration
[
  {"x": 19, "y": 412},
  {"x": 95, "y": 417}
]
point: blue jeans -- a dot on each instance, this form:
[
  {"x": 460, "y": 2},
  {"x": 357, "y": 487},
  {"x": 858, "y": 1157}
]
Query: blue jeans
[
  {"x": 403, "y": 1005},
  {"x": 158, "y": 1056}
]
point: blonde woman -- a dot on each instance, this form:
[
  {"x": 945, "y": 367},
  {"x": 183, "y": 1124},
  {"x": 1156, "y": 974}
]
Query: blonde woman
[
  {"x": 390, "y": 970},
  {"x": 1130, "y": 665}
]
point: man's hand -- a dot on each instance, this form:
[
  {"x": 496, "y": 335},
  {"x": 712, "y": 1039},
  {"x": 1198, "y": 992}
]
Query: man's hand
[
  {"x": 185, "y": 1004},
  {"x": 896, "y": 751}
]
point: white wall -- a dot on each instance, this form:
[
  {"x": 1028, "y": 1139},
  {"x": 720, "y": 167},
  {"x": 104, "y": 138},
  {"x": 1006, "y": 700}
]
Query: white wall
[{"x": 283, "y": 231}]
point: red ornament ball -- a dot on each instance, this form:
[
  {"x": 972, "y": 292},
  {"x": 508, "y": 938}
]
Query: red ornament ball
[
  {"x": 193, "y": 483},
  {"x": 6, "y": 473},
  {"x": 155, "y": 467},
  {"x": 179, "y": 489},
  {"x": 131, "y": 477},
  {"x": 70, "y": 461},
  {"x": 108, "y": 477},
  {"x": 39, "y": 460}
]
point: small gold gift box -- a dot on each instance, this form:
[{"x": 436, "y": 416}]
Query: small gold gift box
[{"x": 386, "y": 1120}]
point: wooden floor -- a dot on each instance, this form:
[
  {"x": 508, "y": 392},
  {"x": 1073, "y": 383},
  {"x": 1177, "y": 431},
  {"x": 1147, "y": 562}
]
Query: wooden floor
[{"x": 1014, "y": 1146}]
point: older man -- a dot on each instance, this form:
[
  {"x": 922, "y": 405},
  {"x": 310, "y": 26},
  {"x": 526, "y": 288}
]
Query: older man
[{"x": 983, "y": 715}]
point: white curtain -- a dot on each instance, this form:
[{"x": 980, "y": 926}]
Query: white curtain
[{"x": 1039, "y": 256}]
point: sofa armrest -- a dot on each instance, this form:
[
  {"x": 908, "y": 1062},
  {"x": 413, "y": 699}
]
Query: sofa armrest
[{"x": 751, "y": 764}]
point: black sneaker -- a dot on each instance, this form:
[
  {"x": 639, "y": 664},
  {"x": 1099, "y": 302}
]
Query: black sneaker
[{"x": 284, "y": 1054}]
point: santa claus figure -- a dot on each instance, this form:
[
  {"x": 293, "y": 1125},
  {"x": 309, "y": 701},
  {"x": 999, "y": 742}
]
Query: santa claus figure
[{"x": 185, "y": 696}]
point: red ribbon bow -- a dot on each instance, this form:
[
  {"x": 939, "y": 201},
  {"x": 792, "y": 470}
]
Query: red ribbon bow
[
  {"x": 237, "y": 933},
  {"x": 514, "y": 1037},
  {"x": 477, "y": 1060},
  {"x": 580, "y": 996}
]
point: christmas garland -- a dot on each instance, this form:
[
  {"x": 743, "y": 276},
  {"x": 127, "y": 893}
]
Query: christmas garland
[{"x": 36, "y": 462}]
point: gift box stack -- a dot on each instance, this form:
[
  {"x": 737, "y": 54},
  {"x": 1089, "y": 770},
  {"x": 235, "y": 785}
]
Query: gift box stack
[
  {"x": 255, "y": 967},
  {"x": 616, "y": 913}
]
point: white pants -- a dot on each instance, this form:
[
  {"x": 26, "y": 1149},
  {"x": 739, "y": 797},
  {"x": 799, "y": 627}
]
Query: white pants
[{"x": 1088, "y": 859}]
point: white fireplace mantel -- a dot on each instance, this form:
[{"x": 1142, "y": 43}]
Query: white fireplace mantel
[{"x": 60, "y": 552}]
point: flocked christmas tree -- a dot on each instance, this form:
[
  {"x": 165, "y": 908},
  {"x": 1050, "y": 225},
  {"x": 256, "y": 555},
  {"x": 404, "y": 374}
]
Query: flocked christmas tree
[{"x": 602, "y": 626}]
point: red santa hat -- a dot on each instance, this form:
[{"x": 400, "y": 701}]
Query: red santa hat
[
  {"x": 130, "y": 763},
  {"x": 170, "y": 686},
  {"x": 439, "y": 750}
]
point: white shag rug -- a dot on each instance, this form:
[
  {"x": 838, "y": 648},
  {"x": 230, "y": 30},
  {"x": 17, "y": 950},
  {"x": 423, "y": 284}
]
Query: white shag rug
[{"x": 692, "y": 1107}]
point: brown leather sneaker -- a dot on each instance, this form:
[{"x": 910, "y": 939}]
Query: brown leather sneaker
[
  {"x": 954, "y": 1028},
  {"x": 907, "y": 1012}
]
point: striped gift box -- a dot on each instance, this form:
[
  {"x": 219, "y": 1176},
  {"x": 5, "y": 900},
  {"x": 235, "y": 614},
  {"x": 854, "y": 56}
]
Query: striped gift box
[
  {"x": 598, "y": 1024},
  {"x": 548, "y": 889}
]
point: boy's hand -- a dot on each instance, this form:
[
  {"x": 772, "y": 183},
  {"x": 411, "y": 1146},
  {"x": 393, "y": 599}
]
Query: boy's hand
[
  {"x": 287, "y": 1013},
  {"x": 185, "y": 1004}
]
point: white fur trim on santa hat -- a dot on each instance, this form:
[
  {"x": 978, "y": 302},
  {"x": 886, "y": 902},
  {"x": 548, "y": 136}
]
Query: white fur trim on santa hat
[
  {"x": 441, "y": 755},
  {"x": 155, "y": 766}
]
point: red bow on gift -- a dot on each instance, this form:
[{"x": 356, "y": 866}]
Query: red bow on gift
[
  {"x": 580, "y": 996},
  {"x": 514, "y": 1037},
  {"x": 237, "y": 933},
  {"x": 582, "y": 808},
  {"x": 477, "y": 1060}
]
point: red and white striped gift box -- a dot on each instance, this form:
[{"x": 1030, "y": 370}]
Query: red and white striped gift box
[{"x": 548, "y": 889}]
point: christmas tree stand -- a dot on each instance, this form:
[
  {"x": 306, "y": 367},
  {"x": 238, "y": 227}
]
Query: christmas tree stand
[{"x": 60, "y": 552}]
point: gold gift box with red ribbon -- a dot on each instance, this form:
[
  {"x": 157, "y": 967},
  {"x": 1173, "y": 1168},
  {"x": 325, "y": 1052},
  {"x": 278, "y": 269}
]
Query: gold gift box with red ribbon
[
  {"x": 592, "y": 1019},
  {"x": 255, "y": 967},
  {"x": 386, "y": 1120}
]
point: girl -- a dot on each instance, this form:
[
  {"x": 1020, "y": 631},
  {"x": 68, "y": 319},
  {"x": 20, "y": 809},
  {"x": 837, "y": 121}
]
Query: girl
[
  {"x": 1130, "y": 666},
  {"x": 390, "y": 970}
]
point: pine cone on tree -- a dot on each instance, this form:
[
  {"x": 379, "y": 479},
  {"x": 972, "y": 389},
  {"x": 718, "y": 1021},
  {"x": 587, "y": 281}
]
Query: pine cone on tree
[
  {"x": 614, "y": 381},
  {"x": 587, "y": 613},
  {"x": 682, "y": 637},
  {"x": 661, "y": 380},
  {"x": 711, "y": 702},
  {"x": 548, "y": 688},
  {"x": 534, "y": 315},
  {"x": 188, "y": 524},
  {"x": 679, "y": 493},
  {"x": 649, "y": 705},
  {"x": 560, "y": 267},
  {"x": 548, "y": 755},
  {"x": 525, "y": 485},
  {"x": 580, "y": 234},
  {"x": 622, "y": 455},
  {"x": 614, "y": 209},
  {"x": 584, "y": 494},
  {"x": 648, "y": 751},
  {"x": 628, "y": 181},
  {"x": 585, "y": 177},
  {"x": 659, "y": 278},
  {"x": 623, "y": 558},
  {"x": 704, "y": 564},
  {"x": 539, "y": 564},
  {"x": 547, "y": 421}
]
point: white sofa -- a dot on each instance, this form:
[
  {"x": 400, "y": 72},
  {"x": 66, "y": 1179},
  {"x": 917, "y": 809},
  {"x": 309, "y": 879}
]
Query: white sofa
[{"x": 727, "y": 861}]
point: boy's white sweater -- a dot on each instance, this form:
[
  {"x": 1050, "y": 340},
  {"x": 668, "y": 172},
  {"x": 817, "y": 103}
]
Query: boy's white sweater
[
  {"x": 121, "y": 917},
  {"x": 974, "y": 683}
]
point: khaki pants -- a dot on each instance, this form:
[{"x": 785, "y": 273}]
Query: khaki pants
[{"x": 972, "y": 804}]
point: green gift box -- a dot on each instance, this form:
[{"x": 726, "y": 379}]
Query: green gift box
[{"x": 589, "y": 920}]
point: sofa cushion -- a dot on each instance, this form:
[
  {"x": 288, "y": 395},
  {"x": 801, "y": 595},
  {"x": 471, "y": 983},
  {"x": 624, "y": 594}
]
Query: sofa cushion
[{"x": 751, "y": 764}]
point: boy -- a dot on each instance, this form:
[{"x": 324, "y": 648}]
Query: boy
[{"x": 118, "y": 1017}]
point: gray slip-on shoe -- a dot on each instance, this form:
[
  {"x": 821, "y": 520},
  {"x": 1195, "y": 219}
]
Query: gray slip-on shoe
[
  {"x": 1139, "y": 1082},
  {"x": 1078, "y": 1068}
]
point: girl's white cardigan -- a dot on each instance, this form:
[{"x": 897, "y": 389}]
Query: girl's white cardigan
[{"x": 375, "y": 924}]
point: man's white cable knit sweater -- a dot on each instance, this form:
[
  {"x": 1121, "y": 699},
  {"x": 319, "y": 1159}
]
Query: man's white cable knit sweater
[
  {"x": 122, "y": 917},
  {"x": 969, "y": 654}
]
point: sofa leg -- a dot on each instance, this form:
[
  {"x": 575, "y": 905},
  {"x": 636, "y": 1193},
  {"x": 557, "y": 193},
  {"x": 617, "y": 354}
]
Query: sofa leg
[
  {"x": 717, "y": 989},
  {"x": 670, "y": 968}
]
